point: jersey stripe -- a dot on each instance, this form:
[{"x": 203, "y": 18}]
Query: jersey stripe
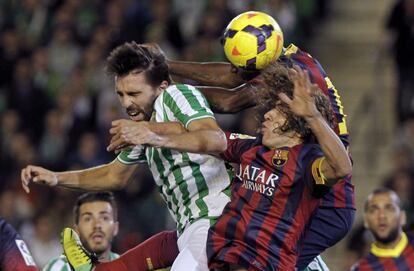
[{"x": 202, "y": 187}]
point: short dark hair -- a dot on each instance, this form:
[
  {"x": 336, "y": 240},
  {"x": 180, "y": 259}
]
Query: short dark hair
[
  {"x": 382, "y": 190},
  {"x": 133, "y": 57},
  {"x": 277, "y": 80},
  {"x": 93, "y": 197}
]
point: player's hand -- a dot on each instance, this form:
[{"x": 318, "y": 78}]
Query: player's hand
[
  {"x": 37, "y": 175},
  {"x": 303, "y": 101},
  {"x": 154, "y": 47},
  {"x": 127, "y": 133}
]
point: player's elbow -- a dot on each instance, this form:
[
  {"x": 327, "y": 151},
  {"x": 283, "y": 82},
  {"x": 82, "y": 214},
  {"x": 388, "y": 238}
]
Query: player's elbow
[
  {"x": 223, "y": 142},
  {"x": 342, "y": 171},
  {"x": 116, "y": 182},
  {"x": 219, "y": 145}
]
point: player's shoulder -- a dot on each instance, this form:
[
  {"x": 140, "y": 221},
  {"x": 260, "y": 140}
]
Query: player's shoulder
[
  {"x": 174, "y": 89},
  {"x": 365, "y": 263},
  {"x": 59, "y": 263},
  {"x": 410, "y": 237},
  {"x": 7, "y": 232}
]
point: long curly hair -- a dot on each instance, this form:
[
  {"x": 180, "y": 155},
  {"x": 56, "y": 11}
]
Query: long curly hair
[{"x": 276, "y": 79}]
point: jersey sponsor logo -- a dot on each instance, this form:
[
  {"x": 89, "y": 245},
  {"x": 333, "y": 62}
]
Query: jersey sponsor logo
[
  {"x": 280, "y": 157},
  {"x": 258, "y": 179},
  {"x": 240, "y": 136},
  {"x": 24, "y": 251}
]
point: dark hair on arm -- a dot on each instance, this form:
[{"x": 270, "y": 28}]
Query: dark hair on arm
[
  {"x": 94, "y": 197},
  {"x": 132, "y": 57}
]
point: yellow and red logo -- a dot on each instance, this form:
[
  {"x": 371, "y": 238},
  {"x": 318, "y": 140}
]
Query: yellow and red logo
[{"x": 280, "y": 158}]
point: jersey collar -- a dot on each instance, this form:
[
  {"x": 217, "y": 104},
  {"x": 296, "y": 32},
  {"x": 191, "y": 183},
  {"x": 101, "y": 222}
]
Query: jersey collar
[{"x": 390, "y": 252}]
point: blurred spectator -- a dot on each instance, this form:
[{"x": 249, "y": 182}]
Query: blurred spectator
[
  {"x": 400, "y": 24},
  {"x": 30, "y": 102},
  {"x": 87, "y": 154},
  {"x": 30, "y": 19},
  {"x": 10, "y": 51},
  {"x": 53, "y": 143},
  {"x": 64, "y": 53},
  {"x": 41, "y": 237}
]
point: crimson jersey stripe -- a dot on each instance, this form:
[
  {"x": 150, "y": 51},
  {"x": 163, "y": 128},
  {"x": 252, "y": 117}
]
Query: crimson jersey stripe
[
  {"x": 408, "y": 255},
  {"x": 287, "y": 207}
]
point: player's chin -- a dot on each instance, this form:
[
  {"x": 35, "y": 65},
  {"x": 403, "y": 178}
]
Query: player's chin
[{"x": 98, "y": 247}]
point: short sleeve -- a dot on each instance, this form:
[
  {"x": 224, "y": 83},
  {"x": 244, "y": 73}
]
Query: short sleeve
[
  {"x": 135, "y": 155},
  {"x": 186, "y": 103}
]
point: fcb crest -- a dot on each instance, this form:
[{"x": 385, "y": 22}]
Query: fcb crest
[{"x": 280, "y": 158}]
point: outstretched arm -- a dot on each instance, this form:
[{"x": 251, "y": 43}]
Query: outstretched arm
[
  {"x": 336, "y": 162},
  {"x": 218, "y": 74},
  {"x": 226, "y": 101},
  {"x": 114, "y": 175}
]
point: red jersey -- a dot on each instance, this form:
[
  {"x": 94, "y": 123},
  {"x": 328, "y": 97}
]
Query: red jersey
[{"x": 272, "y": 202}]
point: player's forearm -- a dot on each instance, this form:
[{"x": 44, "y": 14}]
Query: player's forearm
[
  {"x": 224, "y": 100},
  {"x": 200, "y": 141},
  {"x": 218, "y": 74},
  {"x": 166, "y": 128},
  {"x": 96, "y": 178},
  {"x": 337, "y": 157}
]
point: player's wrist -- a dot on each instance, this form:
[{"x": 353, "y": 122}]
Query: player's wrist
[{"x": 315, "y": 115}]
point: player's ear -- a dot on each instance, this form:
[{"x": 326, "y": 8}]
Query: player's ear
[
  {"x": 366, "y": 222},
  {"x": 116, "y": 228},
  {"x": 403, "y": 218},
  {"x": 163, "y": 86}
]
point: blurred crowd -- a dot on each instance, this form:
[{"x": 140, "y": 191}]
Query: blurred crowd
[
  {"x": 398, "y": 42},
  {"x": 56, "y": 102}
]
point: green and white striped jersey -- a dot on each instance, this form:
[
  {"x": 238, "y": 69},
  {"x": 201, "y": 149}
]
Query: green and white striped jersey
[
  {"x": 193, "y": 185},
  {"x": 61, "y": 263}
]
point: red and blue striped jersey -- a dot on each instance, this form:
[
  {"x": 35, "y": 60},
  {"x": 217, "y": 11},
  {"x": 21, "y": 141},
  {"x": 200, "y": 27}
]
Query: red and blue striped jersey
[
  {"x": 342, "y": 193},
  {"x": 271, "y": 204},
  {"x": 14, "y": 254},
  {"x": 400, "y": 258}
]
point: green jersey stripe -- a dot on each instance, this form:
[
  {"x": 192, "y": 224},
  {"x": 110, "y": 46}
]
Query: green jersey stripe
[
  {"x": 170, "y": 103},
  {"x": 195, "y": 98},
  {"x": 202, "y": 187},
  {"x": 166, "y": 189},
  {"x": 188, "y": 102},
  {"x": 179, "y": 180},
  {"x": 192, "y": 98}
]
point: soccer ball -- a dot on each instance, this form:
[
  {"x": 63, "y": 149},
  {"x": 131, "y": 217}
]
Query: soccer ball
[{"x": 252, "y": 40}]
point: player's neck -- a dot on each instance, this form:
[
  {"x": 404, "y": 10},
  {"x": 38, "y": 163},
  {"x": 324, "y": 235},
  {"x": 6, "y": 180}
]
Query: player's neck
[
  {"x": 105, "y": 256},
  {"x": 389, "y": 245},
  {"x": 286, "y": 141}
]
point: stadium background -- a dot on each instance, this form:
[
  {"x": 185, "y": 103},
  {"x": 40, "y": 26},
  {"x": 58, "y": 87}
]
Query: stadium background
[{"x": 56, "y": 102}]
